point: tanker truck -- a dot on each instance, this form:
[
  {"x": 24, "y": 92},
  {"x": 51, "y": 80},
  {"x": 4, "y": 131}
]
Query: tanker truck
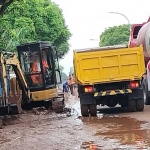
[{"x": 140, "y": 34}]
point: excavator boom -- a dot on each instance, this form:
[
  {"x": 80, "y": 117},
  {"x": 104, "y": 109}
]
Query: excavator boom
[
  {"x": 12, "y": 60},
  {"x": 8, "y": 96},
  {"x": 3, "y": 77}
]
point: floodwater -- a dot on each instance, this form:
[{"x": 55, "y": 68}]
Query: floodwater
[
  {"x": 111, "y": 129},
  {"x": 126, "y": 131}
]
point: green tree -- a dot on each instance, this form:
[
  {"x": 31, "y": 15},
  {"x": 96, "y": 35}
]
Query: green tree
[
  {"x": 4, "y": 4},
  {"x": 23, "y": 31},
  {"x": 36, "y": 20},
  {"x": 115, "y": 35}
]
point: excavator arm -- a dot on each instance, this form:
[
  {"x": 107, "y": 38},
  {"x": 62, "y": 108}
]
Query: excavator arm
[
  {"x": 3, "y": 78},
  {"x": 12, "y": 60}
]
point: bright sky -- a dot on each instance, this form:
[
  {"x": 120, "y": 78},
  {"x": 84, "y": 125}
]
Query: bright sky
[{"x": 87, "y": 19}]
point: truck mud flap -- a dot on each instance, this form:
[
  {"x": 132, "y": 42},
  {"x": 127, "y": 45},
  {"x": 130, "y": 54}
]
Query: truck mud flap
[
  {"x": 112, "y": 92},
  {"x": 136, "y": 94}
]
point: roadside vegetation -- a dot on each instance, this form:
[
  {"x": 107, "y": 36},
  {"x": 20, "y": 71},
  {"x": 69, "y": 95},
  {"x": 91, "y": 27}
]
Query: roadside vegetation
[{"x": 115, "y": 35}]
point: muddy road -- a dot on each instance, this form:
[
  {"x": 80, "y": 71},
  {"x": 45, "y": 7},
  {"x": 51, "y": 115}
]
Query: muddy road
[{"x": 111, "y": 129}]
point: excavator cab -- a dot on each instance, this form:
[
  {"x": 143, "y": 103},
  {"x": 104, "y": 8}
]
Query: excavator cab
[
  {"x": 37, "y": 61},
  {"x": 38, "y": 65}
]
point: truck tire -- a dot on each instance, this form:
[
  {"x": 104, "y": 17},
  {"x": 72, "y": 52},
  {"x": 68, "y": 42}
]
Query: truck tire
[
  {"x": 145, "y": 92},
  {"x": 84, "y": 110},
  {"x": 140, "y": 104},
  {"x": 131, "y": 105},
  {"x": 146, "y": 98},
  {"x": 93, "y": 110}
]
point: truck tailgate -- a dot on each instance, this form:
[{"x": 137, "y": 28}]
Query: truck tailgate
[{"x": 103, "y": 65}]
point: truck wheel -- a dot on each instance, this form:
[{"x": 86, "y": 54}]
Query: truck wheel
[
  {"x": 131, "y": 105},
  {"x": 140, "y": 104},
  {"x": 84, "y": 110},
  {"x": 93, "y": 110},
  {"x": 145, "y": 92},
  {"x": 146, "y": 98}
]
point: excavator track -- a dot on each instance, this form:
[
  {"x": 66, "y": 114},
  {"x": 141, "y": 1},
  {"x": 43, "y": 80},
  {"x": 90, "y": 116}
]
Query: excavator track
[{"x": 58, "y": 104}]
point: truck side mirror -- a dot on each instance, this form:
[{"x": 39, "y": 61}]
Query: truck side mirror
[{"x": 58, "y": 77}]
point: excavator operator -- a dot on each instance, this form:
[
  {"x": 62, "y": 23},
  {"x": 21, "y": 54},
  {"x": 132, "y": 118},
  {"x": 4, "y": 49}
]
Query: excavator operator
[
  {"x": 35, "y": 68},
  {"x": 37, "y": 79}
]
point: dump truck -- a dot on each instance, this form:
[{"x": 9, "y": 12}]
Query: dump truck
[
  {"x": 140, "y": 35},
  {"x": 109, "y": 76}
]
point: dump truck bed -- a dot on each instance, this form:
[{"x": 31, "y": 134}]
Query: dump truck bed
[{"x": 108, "y": 64}]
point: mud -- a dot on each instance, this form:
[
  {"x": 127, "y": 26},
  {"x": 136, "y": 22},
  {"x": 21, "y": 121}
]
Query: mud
[{"x": 112, "y": 128}]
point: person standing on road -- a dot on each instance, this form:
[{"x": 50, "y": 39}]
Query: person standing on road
[
  {"x": 65, "y": 87},
  {"x": 148, "y": 75},
  {"x": 66, "y": 90}
]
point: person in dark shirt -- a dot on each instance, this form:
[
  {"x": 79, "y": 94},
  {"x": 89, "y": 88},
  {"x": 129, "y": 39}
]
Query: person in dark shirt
[{"x": 65, "y": 87}]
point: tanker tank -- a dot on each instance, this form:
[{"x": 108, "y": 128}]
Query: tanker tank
[
  {"x": 143, "y": 38},
  {"x": 140, "y": 35}
]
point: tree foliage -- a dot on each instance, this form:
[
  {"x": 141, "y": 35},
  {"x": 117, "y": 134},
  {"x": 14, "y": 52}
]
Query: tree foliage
[
  {"x": 34, "y": 20},
  {"x": 115, "y": 35},
  {"x": 4, "y": 4}
]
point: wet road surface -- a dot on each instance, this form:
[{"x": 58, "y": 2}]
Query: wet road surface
[{"x": 111, "y": 129}]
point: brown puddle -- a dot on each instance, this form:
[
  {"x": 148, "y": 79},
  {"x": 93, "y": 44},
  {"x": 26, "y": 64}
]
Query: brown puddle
[{"x": 127, "y": 131}]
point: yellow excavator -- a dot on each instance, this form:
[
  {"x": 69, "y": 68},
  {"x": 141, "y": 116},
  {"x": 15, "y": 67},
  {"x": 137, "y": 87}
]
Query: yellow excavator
[{"x": 36, "y": 74}]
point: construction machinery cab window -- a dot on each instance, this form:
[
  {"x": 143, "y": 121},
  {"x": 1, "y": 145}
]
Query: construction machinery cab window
[{"x": 37, "y": 63}]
